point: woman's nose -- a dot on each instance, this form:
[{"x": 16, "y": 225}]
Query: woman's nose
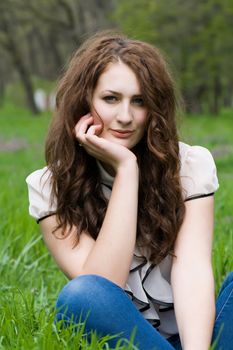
[{"x": 125, "y": 114}]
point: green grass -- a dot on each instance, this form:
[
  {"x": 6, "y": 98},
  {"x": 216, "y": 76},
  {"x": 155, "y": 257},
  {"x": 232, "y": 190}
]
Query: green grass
[{"x": 30, "y": 281}]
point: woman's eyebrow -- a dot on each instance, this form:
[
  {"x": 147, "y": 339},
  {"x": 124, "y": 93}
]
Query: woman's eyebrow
[
  {"x": 119, "y": 93},
  {"x": 112, "y": 92}
]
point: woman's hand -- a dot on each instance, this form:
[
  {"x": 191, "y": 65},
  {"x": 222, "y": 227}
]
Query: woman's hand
[{"x": 104, "y": 150}]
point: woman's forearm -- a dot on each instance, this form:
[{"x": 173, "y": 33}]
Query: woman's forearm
[
  {"x": 112, "y": 252},
  {"x": 194, "y": 300}
]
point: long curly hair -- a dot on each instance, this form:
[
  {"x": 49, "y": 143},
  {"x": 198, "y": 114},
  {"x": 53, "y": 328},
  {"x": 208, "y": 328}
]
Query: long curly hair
[{"x": 76, "y": 181}]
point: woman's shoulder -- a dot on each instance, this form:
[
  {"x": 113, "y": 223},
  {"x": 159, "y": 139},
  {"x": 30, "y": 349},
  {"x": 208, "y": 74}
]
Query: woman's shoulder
[
  {"x": 198, "y": 171},
  {"x": 41, "y": 202},
  {"x": 39, "y": 182},
  {"x": 39, "y": 176},
  {"x": 197, "y": 151}
]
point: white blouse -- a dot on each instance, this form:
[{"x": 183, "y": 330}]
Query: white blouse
[{"x": 148, "y": 286}]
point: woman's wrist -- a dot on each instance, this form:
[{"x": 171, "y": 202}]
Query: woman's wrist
[
  {"x": 128, "y": 164},
  {"x": 129, "y": 167}
]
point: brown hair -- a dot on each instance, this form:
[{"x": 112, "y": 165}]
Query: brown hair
[{"x": 76, "y": 181}]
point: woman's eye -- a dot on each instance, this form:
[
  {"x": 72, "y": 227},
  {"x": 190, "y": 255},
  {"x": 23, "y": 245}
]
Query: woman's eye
[
  {"x": 110, "y": 99},
  {"x": 138, "y": 101}
]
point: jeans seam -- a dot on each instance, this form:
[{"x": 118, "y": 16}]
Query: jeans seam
[{"x": 224, "y": 305}]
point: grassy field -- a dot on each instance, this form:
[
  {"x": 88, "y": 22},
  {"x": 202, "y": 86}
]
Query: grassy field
[{"x": 30, "y": 281}]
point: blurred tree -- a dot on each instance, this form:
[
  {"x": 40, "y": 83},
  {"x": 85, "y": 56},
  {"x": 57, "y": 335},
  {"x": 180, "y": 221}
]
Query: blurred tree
[
  {"x": 60, "y": 34},
  {"x": 39, "y": 36},
  {"x": 197, "y": 36},
  {"x": 11, "y": 35},
  {"x": 3, "y": 74},
  {"x": 136, "y": 18}
]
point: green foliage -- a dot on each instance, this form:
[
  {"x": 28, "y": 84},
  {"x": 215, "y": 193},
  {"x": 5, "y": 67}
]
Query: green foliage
[
  {"x": 36, "y": 39},
  {"x": 197, "y": 36},
  {"x": 136, "y": 18},
  {"x": 30, "y": 281}
]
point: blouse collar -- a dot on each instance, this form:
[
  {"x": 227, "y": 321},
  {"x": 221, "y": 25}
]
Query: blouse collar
[{"x": 106, "y": 178}]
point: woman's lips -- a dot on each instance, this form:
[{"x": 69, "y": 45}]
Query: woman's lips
[{"x": 121, "y": 134}]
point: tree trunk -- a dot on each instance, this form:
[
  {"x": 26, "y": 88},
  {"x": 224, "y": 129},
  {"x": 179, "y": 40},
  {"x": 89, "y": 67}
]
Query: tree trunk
[
  {"x": 24, "y": 74},
  {"x": 228, "y": 96},
  {"x": 55, "y": 52},
  {"x": 27, "y": 84},
  {"x": 217, "y": 92},
  {"x": 194, "y": 99},
  {"x": 2, "y": 92}
]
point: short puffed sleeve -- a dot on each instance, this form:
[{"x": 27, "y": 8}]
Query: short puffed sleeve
[
  {"x": 39, "y": 192},
  {"x": 198, "y": 172}
]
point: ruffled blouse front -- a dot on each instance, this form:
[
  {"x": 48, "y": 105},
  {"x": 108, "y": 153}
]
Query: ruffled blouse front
[{"x": 148, "y": 286}]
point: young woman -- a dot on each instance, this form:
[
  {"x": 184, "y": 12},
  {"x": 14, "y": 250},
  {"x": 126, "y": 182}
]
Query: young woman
[{"x": 125, "y": 209}]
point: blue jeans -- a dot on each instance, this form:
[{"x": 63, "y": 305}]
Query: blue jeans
[{"x": 108, "y": 310}]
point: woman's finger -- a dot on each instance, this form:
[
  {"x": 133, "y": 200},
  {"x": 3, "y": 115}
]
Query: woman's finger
[
  {"x": 94, "y": 130},
  {"x": 94, "y": 140},
  {"x": 82, "y": 119},
  {"x": 82, "y": 126},
  {"x": 91, "y": 130}
]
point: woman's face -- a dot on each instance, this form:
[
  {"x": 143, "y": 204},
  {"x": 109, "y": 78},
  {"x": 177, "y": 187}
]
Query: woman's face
[{"x": 118, "y": 101}]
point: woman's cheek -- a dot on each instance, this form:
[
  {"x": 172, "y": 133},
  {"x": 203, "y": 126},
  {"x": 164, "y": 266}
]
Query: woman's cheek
[{"x": 97, "y": 119}]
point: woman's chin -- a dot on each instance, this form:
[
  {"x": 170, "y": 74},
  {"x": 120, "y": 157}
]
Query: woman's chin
[{"x": 123, "y": 142}]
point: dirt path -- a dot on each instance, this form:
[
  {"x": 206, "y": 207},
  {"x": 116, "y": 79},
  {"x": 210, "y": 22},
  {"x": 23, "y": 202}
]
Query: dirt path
[{"x": 15, "y": 144}]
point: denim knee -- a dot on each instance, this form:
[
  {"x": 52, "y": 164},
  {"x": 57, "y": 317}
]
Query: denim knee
[
  {"x": 222, "y": 333},
  {"x": 82, "y": 294},
  {"x": 228, "y": 280}
]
